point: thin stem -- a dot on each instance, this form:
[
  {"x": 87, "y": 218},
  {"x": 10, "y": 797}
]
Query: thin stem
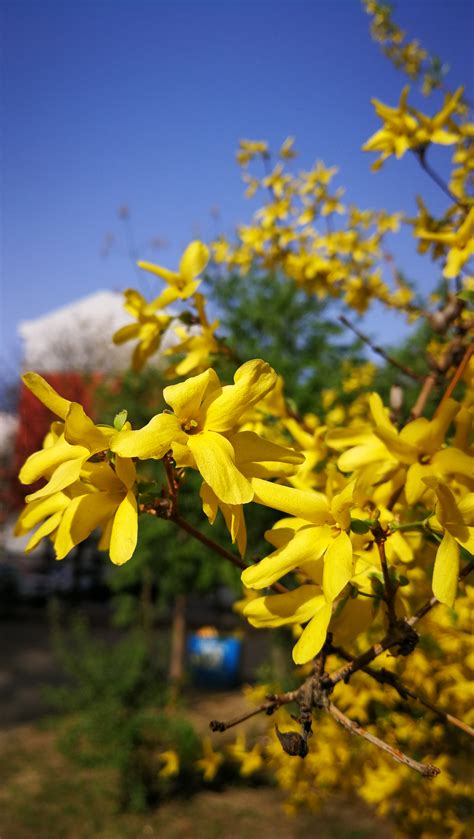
[
  {"x": 420, "y": 404},
  {"x": 421, "y": 157},
  {"x": 425, "y": 769},
  {"x": 380, "y": 351},
  {"x": 345, "y": 672},
  {"x": 218, "y": 549},
  {"x": 268, "y": 708},
  {"x": 386, "y": 677},
  {"x": 457, "y": 376},
  {"x": 390, "y": 589}
]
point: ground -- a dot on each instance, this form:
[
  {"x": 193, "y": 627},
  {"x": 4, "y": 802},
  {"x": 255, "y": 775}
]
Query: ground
[{"x": 44, "y": 796}]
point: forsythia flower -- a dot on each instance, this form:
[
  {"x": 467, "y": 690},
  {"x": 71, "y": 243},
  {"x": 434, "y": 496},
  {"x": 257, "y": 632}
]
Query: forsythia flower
[
  {"x": 405, "y": 128},
  {"x": 456, "y": 519},
  {"x": 460, "y": 243},
  {"x": 199, "y": 432},
  {"x": 184, "y": 283},
  {"x": 149, "y": 328},
  {"x": 317, "y": 539},
  {"x": 254, "y": 456},
  {"x": 79, "y": 496},
  {"x": 198, "y": 347},
  {"x": 170, "y": 760},
  {"x": 417, "y": 449},
  {"x": 71, "y": 445},
  {"x": 210, "y": 761},
  {"x": 250, "y": 761}
]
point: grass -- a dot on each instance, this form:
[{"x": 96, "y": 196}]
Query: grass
[{"x": 43, "y": 796}]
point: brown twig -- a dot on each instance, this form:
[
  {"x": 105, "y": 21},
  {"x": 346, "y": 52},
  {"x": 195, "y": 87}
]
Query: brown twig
[
  {"x": 386, "y": 677},
  {"x": 428, "y": 385},
  {"x": 457, "y": 376},
  {"x": 380, "y": 536},
  {"x": 425, "y": 769},
  {"x": 393, "y": 638},
  {"x": 269, "y": 707},
  {"x": 420, "y": 155},
  {"x": 380, "y": 351},
  {"x": 218, "y": 549}
]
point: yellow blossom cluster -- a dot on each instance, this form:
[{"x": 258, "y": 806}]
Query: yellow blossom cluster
[
  {"x": 305, "y": 230},
  {"x": 408, "y": 56}
]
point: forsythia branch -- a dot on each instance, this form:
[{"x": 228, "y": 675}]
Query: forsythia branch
[{"x": 425, "y": 769}]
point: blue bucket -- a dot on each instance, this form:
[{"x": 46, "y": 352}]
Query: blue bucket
[{"x": 214, "y": 662}]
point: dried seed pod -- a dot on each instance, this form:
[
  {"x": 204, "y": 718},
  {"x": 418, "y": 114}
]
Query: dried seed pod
[{"x": 292, "y": 743}]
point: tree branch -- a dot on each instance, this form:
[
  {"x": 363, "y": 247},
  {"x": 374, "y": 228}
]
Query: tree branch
[
  {"x": 425, "y": 769},
  {"x": 407, "y": 371},
  {"x": 386, "y": 677},
  {"x": 457, "y": 376},
  {"x": 218, "y": 549},
  {"x": 273, "y": 703},
  {"x": 390, "y": 640}
]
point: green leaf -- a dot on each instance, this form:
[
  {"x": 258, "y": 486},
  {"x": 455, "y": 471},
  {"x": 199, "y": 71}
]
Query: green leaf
[
  {"x": 467, "y": 295},
  {"x": 120, "y": 419},
  {"x": 359, "y": 526}
]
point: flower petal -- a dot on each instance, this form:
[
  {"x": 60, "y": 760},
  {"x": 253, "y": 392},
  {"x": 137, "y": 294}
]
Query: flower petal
[
  {"x": 125, "y": 469},
  {"x": 35, "y": 511},
  {"x": 126, "y": 333},
  {"x": 193, "y": 260},
  {"x": 446, "y": 570},
  {"x": 62, "y": 477},
  {"x": 168, "y": 276},
  {"x": 253, "y": 381},
  {"x": 46, "y": 394},
  {"x": 48, "y": 527},
  {"x": 306, "y": 544},
  {"x": 45, "y": 461},
  {"x": 153, "y": 440},
  {"x": 215, "y": 461},
  {"x": 296, "y": 606},
  {"x": 314, "y": 634},
  {"x": 123, "y": 538},
  {"x": 80, "y": 430},
  {"x": 311, "y": 506},
  {"x": 185, "y": 398},
  {"x": 250, "y": 448},
  {"x": 337, "y": 566},
  {"x": 82, "y": 516}
]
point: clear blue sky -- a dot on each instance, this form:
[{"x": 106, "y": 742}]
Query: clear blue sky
[{"x": 143, "y": 103}]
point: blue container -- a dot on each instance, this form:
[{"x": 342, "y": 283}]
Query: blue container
[{"x": 214, "y": 662}]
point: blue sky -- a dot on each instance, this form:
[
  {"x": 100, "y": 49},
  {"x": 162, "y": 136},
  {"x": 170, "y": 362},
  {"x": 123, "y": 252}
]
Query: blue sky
[{"x": 142, "y": 103}]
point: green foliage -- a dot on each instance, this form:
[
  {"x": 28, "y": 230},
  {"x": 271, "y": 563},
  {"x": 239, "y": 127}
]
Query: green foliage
[
  {"x": 115, "y": 714},
  {"x": 266, "y": 316}
]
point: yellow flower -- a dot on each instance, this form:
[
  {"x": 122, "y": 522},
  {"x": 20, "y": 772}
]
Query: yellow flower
[
  {"x": 460, "y": 243},
  {"x": 248, "y": 149},
  {"x": 405, "y": 128},
  {"x": 418, "y": 449},
  {"x": 210, "y": 761},
  {"x": 170, "y": 760},
  {"x": 250, "y": 761},
  {"x": 149, "y": 328},
  {"x": 320, "y": 532},
  {"x": 102, "y": 498},
  {"x": 205, "y": 414},
  {"x": 304, "y": 604},
  {"x": 68, "y": 448},
  {"x": 456, "y": 519},
  {"x": 184, "y": 283},
  {"x": 197, "y": 348},
  {"x": 254, "y": 456}
]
